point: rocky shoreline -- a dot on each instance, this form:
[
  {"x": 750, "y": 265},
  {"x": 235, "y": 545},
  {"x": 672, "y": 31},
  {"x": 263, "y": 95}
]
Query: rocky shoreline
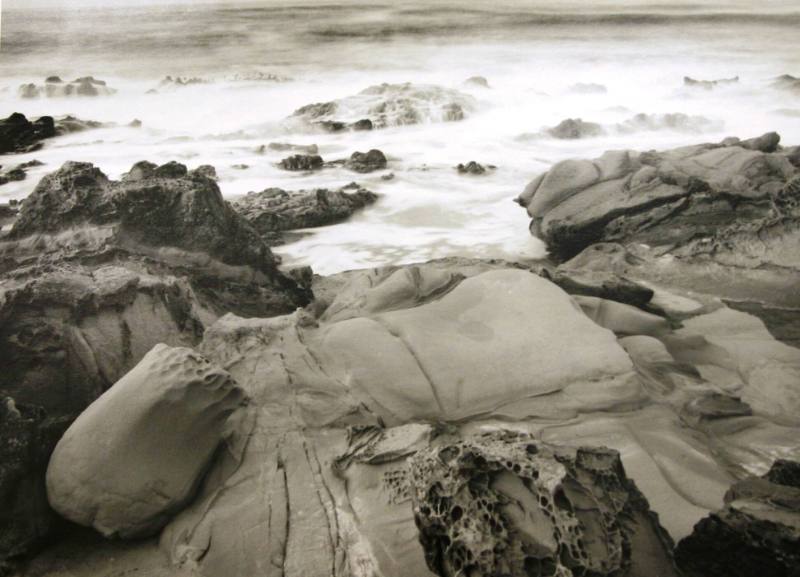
[{"x": 611, "y": 411}]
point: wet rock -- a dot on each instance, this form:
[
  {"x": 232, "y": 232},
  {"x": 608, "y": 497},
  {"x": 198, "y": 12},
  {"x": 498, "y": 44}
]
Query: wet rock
[
  {"x": 574, "y": 128},
  {"x": 709, "y": 84},
  {"x": 18, "y": 134},
  {"x": 135, "y": 123},
  {"x": 275, "y": 210},
  {"x": 365, "y": 162},
  {"x": 301, "y": 162},
  {"x": 676, "y": 121},
  {"x": 123, "y": 467},
  {"x": 503, "y": 503},
  {"x": 473, "y": 168},
  {"x": 259, "y": 76},
  {"x": 387, "y": 105},
  {"x": 756, "y": 533}
]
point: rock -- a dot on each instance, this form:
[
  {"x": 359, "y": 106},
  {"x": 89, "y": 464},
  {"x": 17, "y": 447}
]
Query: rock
[
  {"x": 137, "y": 454},
  {"x": 707, "y": 199},
  {"x": 787, "y": 82},
  {"x": 18, "y": 134},
  {"x": 676, "y": 121},
  {"x": 54, "y": 87},
  {"x": 275, "y": 210},
  {"x": 709, "y": 84},
  {"x": 505, "y": 504},
  {"x": 365, "y": 162},
  {"x": 135, "y": 123},
  {"x": 27, "y": 437},
  {"x": 94, "y": 273},
  {"x": 299, "y": 162},
  {"x": 386, "y": 105},
  {"x": 479, "y": 81},
  {"x": 471, "y": 167},
  {"x": 259, "y": 76},
  {"x": 602, "y": 284},
  {"x": 284, "y": 146},
  {"x": 573, "y": 128},
  {"x": 756, "y": 533},
  {"x": 622, "y": 319},
  {"x": 588, "y": 88}
]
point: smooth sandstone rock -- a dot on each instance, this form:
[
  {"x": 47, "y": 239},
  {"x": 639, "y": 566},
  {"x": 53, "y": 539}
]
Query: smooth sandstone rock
[
  {"x": 137, "y": 454},
  {"x": 511, "y": 330}
]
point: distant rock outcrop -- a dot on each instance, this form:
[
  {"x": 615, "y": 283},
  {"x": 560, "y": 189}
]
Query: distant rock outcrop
[
  {"x": 274, "y": 211},
  {"x": 709, "y": 84},
  {"x": 387, "y": 105},
  {"x": 20, "y": 135},
  {"x": 54, "y": 87}
]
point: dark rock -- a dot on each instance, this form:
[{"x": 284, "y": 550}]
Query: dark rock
[
  {"x": 135, "y": 123},
  {"x": 756, "y": 533},
  {"x": 471, "y": 167},
  {"x": 503, "y": 503},
  {"x": 363, "y": 124},
  {"x": 275, "y": 210},
  {"x": 299, "y": 162},
  {"x": 574, "y": 128},
  {"x": 364, "y": 162},
  {"x": 605, "y": 285},
  {"x": 389, "y": 176},
  {"x": 206, "y": 171},
  {"x": 54, "y": 87},
  {"x": 53, "y": 80},
  {"x": 27, "y": 437},
  {"x": 18, "y": 134},
  {"x": 709, "y": 84}
]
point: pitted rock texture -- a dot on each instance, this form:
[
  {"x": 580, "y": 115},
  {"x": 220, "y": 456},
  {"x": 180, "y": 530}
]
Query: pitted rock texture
[
  {"x": 274, "y": 210},
  {"x": 137, "y": 454},
  {"x": 503, "y": 503},
  {"x": 756, "y": 533},
  {"x": 301, "y": 162},
  {"x": 364, "y": 162},
  {"x": 386, "y": 105}
]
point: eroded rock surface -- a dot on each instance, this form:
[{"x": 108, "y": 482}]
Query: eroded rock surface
[{"x": 506, "y": 504}]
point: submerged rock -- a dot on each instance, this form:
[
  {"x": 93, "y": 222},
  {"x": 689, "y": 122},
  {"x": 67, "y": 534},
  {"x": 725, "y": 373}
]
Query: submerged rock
[
  {"x": 387, "y": 105},
  {"x": 756, "y": 533},
  {"x": 588, "y": 88},
  {"x": 477, "y": 81},
  {"x": 136, "y": 455},
  {"x": 54, "y": 87},
  {"x": 275, "y": 210},
  {"x": 473, "y": 168},
  {"x": 709, "y": 84},
  {"x": 503, "y": 503},
  {"x": 300, "y": 162},
  {"x": 787, "y": 82},
  {"x": 285, "y": 146}
]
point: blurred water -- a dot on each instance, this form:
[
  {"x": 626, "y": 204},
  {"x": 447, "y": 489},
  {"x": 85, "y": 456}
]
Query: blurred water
[{"x": 530, "y": 52}]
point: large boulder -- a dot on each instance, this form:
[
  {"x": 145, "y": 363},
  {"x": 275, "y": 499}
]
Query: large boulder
[
  {"x": 137, "y": 454},
  {"x": 756, "y": 533}
]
